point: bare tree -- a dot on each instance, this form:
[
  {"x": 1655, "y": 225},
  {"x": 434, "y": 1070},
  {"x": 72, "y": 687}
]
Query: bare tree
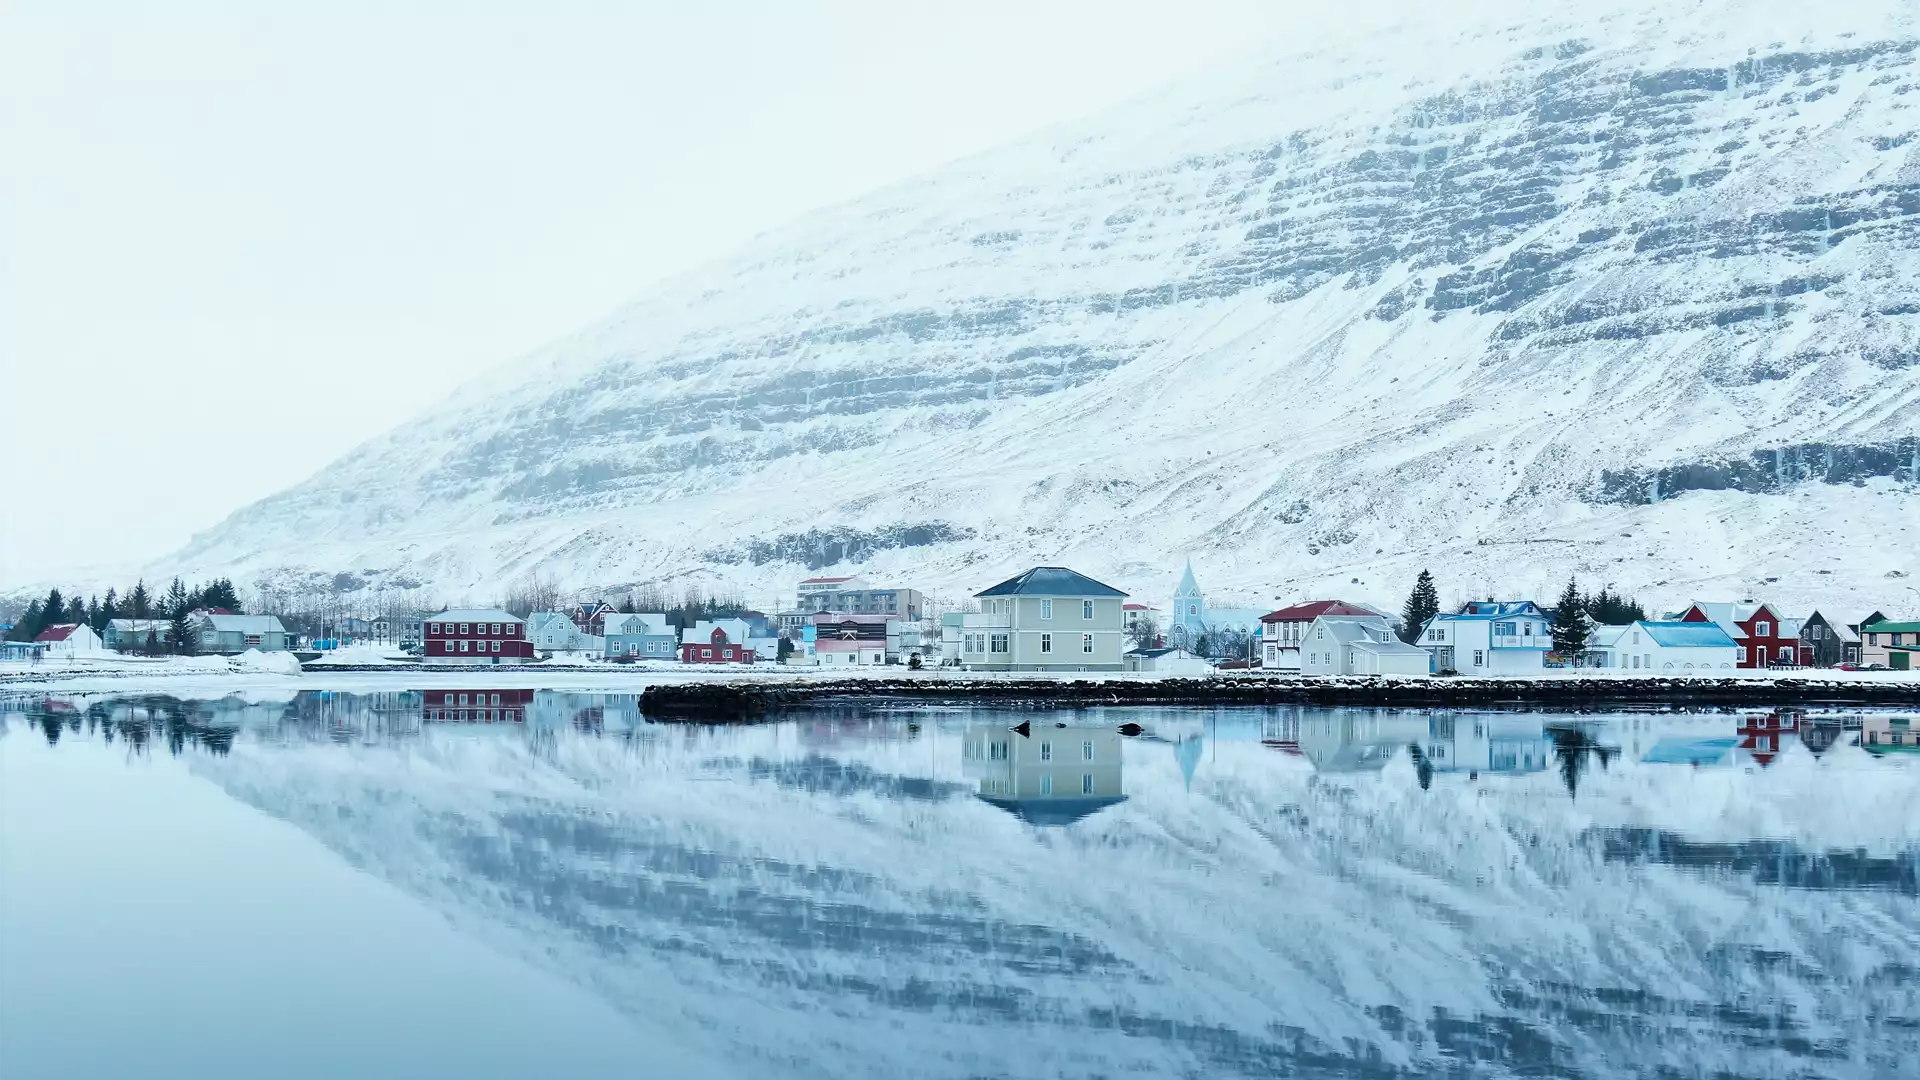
[{"x": 1145, "y": 632}]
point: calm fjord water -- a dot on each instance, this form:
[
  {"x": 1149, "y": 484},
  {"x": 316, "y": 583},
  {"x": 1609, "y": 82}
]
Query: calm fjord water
[{"x": 472, "y": 883}]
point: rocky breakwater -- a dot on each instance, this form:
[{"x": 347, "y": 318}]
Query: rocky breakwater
[{"x": 745, "y": 702}]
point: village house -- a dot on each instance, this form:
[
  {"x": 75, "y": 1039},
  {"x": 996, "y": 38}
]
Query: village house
[
  {"x": 1489, "y": 637},
  {"x": 1893, "y": 645},
  {"x": 1358, "y": 645},
  {"x": 475, "y": 636},
  {"x": 216, "y": 632},
  {"x": 1826, "y": 643},
  {"x": 556, "y": 632},
  {"x": 591, "y": 617},
  {"x": 1281, "y": 631},
  {"x": 1880, "y": 734},
  {"x": 952, "y": 631},
  {"x": 840, "y": 640},
  {"x": 1131, "y": 615},
  {"x": 69, "y": 640},
  {"x": 135, "y": 635},
  {"x": 1766, "y": 640},
  {"x": 718, "y": 641},
  {"x": 640, "y": 636},
  {"x": 1663, "y": 647},
  {"x": 853, "y": 596},
  {"x": 1046, "y": 619}
]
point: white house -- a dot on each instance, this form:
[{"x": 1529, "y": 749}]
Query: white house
[
  {"x": 1046, "y": 619},
  {"x": 1357, "y": 645},
  {"x": 555, "y": 631},
  {"x": 1665, "y": 648},
  {"x": 70, "y": 639},
  {"x": 1493, "y": 637}
]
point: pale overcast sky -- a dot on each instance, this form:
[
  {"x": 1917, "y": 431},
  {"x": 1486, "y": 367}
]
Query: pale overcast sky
[{"x": 237, "y": 239}]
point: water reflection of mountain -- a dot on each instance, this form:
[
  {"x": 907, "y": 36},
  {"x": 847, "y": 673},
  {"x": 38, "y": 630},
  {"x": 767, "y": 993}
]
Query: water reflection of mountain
[
  {"x": 1044, "y": 775},
  {"x": 849, "y": 910}
]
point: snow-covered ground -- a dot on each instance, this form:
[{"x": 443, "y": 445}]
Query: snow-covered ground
[{"x": 1460, "y": 295}]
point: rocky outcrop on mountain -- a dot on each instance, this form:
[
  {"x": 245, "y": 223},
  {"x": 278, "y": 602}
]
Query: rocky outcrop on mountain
[{"x": 1546, "y": 295}]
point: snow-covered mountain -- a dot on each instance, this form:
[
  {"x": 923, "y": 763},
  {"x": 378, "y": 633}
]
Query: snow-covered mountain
[{"x": 1627, "y": 288}]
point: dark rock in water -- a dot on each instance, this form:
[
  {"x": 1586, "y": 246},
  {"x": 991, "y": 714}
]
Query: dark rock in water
[
  {"x": 1131, "y": 729},
  {"x": 1024, "y": 727}
]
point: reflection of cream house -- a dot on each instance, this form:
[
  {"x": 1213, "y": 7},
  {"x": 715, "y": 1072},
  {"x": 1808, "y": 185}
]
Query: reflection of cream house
[{"x": 1050, "y": 776}]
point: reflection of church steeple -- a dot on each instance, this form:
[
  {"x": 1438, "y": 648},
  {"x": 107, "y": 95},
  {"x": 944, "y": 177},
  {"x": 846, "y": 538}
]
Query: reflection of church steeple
[{"x": 1187, "y": 752}]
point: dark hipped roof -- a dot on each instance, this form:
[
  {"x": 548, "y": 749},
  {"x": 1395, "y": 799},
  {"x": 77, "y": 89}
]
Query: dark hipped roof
[
  {"x": 1050, "y": 810},
  {"x": 1051, "y": 581}
]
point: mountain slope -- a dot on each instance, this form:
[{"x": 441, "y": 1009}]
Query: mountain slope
[{"x": 1630, "y": 291}]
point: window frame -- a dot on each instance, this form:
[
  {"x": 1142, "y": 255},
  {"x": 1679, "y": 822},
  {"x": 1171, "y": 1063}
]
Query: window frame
[
  {"x": 1046, "y": 643},
  {"x": 1086, "y": 610}
]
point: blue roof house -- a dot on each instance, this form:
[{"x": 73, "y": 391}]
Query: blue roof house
[
  {"x": 640, "y": 637},
  {"x": 1671, "y": 648},
  {"x": 1491, "y": 637}
]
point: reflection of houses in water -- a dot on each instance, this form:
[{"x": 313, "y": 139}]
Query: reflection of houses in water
[
  {"x": 1362, "y": 740},
  {"x": 1761, "y": 735},
  {"x": 1343, "y": 740},
  {"x": 1487, "y": 743},
  {"x": 475, "y": 706},
  {"x": 584, "y": 712},
  {"x": 345, "y": 716},
  {"x": 1052, "y": 776},
  {"x": 1889, "y": 734}
]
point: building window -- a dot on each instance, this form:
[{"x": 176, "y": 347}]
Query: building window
[
  {"x": 706, "y": 654},
  {"x": 1046, "y": 643},
  {"x": 1086, "y": 783},
  {"x": 998, "y": 643},
  {"x": 1046, "y": 609},
  {"x": 1086, "y": 609},
  {"x": 465, "y": 645},
  {"x": 496, "y": 646},
  {"x": 1046, "y": 784},
  {"x": 997, "y": 751},
  {"x": 463, "y": 628},
  {"x": 1193, "y": 609},
  {"x": 1762, "y": 629},
  {"x": 1479, "y": 658},
  {"x": 496, "y": 628},
  {"x": 1086, "y": 643},
  {"x": 1086, "y": 750},
  {"x": 1046, "y": 751},
  {"x": 463, "y": 699}
]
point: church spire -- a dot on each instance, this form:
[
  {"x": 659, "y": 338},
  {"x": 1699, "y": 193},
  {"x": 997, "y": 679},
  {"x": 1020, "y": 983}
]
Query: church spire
[{"x": 1188, "y": 587}]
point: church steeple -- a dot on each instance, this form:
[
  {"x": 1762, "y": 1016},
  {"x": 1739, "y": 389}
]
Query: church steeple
[{"x": 1188, "y": 587}]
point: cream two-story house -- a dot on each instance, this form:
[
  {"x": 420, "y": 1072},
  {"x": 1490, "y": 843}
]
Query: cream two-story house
[{"x": 1047, "y": 619}]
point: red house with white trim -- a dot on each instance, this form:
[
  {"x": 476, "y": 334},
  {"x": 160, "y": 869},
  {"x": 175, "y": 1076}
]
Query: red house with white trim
[
  {"x": 475, "y": 636},
  {"x": 708, "y": 644},
  {"x": 1766, "y": 640}
]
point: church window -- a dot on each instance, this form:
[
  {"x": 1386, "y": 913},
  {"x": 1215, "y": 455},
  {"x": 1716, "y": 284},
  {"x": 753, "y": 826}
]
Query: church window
[{"x": 1193, "y": 609}]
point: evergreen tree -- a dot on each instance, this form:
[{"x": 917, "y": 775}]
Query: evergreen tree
[
  {"x": 98, "y": 624},
  {"x": 1422, "y": 604},
  {"x": 180, "y": 630},
  {"x": 178, "y": 601},
  {"x": 76, "y": 611},
  {"x": 109, "y": 611},
  {"x": 139, "y": 601},
  {"x": 1570, "y": 626},
  {"x": 52, "y": 610}
]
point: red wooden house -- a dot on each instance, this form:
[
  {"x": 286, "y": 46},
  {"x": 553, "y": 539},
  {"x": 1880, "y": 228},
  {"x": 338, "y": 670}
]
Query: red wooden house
[
  {"x": 475, "y": 636},
  {"x": 475, "y": 706},
  {"x": 701, "y": 645},
  {"x": 1766, "y": 640}
]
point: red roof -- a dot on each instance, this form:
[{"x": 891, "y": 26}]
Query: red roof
[
  {"x": 1135, "y": 607},
  {"x": 58, "y": 633},
  {"x": 1313, "y": 609}
]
